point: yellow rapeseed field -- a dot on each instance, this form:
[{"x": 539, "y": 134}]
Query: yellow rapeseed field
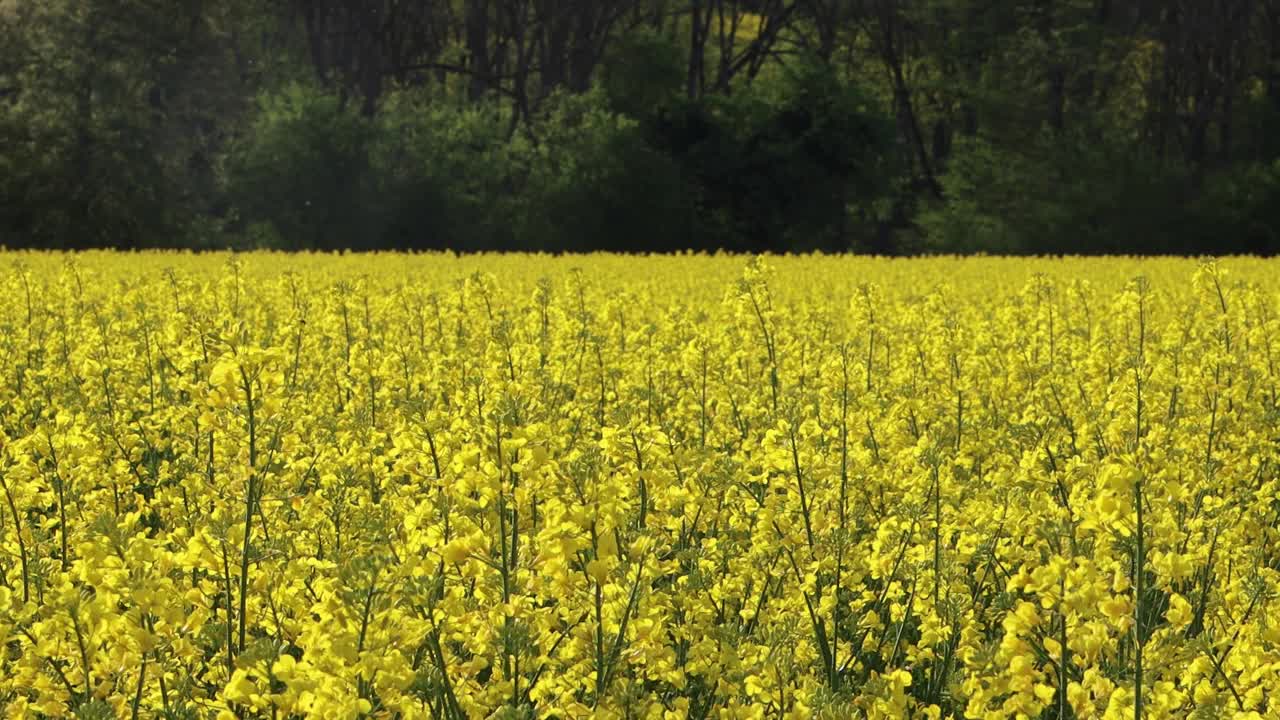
[{"x": 272, "y": 486}]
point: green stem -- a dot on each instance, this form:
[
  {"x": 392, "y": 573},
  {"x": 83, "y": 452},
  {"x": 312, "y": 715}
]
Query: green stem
[
  {"x": 250, "y": 499},
  {"x": 22, "y": 545}
]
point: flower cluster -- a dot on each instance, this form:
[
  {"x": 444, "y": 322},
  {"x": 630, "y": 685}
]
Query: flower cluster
[{"x": 264, "y": 486}]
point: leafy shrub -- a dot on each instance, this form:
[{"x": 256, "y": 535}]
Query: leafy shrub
[
  {"x": 445, "y": 174},
  {"x": 594, "y": 183},
  {"x": 303, "y": 167}
]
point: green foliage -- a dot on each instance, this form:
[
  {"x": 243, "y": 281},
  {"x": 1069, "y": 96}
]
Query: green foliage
[
  {"x": 642, "y": 71},
  {"x": 1073, "y": 193},
  {"x": 1241, "y": 208},
  {"x": 1089, "y": 195},
  {"x": 1017, "y": 127},
  {"x": 428, "y": 174},
  {"x": 832, "y": 149},
  {"x": 444, "y": 173},
  {"x": 78, "y": 166},
  {"x": 594, "y": 183},
  {"x": 780, "y": 168},
  {"x": 303, "y": 169},
  {"x": 112, "y": 114},
  {"x": 969, "y": 220}
]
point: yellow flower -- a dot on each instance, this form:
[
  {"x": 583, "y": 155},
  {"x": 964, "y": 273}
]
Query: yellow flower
[
  {"x": 598, "y": 570},
  {"x": 1179, "y": 613},
  {"x": 670, "y": 485},
  {"x": 240, "y": 688},
  {"x": 1116, "y": 607},
  {"x": 456, "y": 551}
]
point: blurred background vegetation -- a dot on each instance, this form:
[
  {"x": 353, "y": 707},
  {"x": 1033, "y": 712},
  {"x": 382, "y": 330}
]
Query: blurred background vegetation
[{"x": 887, "y": 126}]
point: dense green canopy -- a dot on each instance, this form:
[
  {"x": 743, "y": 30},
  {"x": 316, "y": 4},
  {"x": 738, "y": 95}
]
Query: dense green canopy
[{"x": 869, "y": 125}]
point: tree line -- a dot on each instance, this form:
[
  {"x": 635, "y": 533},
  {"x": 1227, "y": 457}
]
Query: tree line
[{"x": 888, "y": 126}]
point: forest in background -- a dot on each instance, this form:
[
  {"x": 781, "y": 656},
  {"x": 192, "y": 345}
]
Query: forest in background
[{"x": 885, "y": 126}]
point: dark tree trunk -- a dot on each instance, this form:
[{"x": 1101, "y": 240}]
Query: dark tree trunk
[
  {"x": 1056, "y": 73},
  {"x": 1057, "y": 97},
  {"x": 825, "y": 16},
  {"x": 477, "y": 37},
  {"x": 554, "y": 33},
  {"x": 587, "y": 37},
  {"x": 699, "y": 24},
  {"x": 908, "y": 122}
]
